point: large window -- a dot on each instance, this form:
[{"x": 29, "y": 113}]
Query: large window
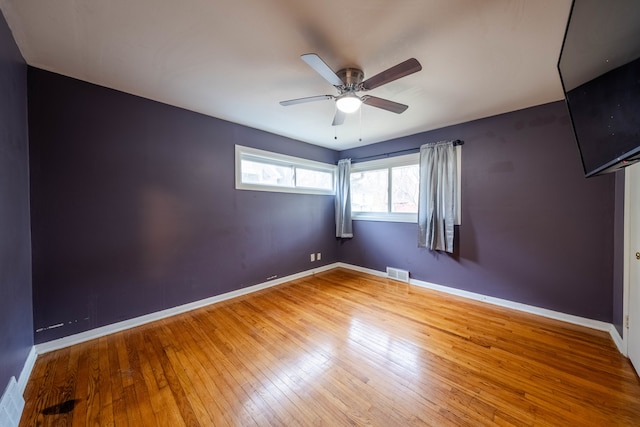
[
  {"x": 387, "y": 189},
  {"x": 265, "y": 171}
]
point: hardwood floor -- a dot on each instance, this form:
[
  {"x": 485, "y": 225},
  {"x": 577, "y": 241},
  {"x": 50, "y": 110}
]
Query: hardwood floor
[{"x": 339, "y": 349}]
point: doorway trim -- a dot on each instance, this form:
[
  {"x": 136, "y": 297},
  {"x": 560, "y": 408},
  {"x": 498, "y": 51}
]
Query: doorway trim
[{"x": 626, "y": 279}]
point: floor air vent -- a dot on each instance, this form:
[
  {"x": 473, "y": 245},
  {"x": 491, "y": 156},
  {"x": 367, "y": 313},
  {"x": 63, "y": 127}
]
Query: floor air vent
[
  {"x": 397, "y": 274},
  {"x": 11, "y": 405}
]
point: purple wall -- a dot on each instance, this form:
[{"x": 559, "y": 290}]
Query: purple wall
[
  {"x": 134, "y": 208},
  {"x": 534, "y": 230},
  {"x": 16, "y": 322}
]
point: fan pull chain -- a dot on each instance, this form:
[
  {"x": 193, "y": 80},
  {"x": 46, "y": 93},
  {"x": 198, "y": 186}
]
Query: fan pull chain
[{"x": 360, "y": 130}]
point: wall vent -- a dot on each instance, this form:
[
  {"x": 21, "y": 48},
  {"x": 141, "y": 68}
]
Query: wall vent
[
  {"x": 11, "y": 405},
  {"x": 397, "y": 274}
]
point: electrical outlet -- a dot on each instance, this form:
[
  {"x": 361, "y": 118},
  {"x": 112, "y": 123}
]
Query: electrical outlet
[
  {"x": 313, "y": 257},
  {"x": 319, "y": 256}
]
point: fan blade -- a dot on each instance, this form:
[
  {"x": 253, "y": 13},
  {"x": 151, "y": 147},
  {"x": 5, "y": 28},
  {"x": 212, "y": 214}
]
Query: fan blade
[
  {"x": 338, "y": 119},
  {"x": 385, "y": 104},
  {"x": 322, "y": 68},
  {"x": 307, "y": 99},
  {"x": 403, "y": 69}
]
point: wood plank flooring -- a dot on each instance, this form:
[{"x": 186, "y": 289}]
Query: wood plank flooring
[{"x": 339, "y": 349}]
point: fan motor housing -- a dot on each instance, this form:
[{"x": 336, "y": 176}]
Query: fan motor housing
[{"x": 351, "y": 76}]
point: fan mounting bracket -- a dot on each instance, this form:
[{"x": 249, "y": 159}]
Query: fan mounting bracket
[{"x": 352, "y": 79}]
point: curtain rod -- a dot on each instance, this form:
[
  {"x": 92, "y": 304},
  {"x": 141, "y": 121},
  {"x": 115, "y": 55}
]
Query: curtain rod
[{"x": 407, "y": 151}]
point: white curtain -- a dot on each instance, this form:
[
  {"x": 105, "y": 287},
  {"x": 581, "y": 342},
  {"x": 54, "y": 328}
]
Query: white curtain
[
  {"x": 437, "y": 196},
  {"x": 343, "y": 200}
]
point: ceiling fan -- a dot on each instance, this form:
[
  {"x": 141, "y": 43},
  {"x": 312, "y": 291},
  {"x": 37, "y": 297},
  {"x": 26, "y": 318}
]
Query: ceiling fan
[{"x": 349, "y": 81}]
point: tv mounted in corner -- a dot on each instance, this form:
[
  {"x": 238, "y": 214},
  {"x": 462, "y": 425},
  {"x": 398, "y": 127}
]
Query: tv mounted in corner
[{"x": 599, "y": 68}]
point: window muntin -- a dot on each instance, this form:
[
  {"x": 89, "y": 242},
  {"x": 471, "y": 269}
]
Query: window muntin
[{"x": 266, "y": 171}]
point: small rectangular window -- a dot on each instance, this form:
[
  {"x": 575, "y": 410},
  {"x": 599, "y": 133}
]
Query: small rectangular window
[{"x": 265, "y": 171}]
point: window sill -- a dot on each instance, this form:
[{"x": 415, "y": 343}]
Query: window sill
[{"x": 385, "y": 217}]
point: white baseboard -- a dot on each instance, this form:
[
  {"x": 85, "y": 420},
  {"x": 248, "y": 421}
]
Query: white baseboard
[
  {"x": 12, "y": 402},
  {"x": 147, "y": 318},
  {"x": 569, "y": 318},
  {"x": 137, "y": 321},
  {"x": 551, "y": 314},
  {"x": 618, "y": 340},
  {"x": 362, "y": 269},
  {"x": 26, "y": 370}
]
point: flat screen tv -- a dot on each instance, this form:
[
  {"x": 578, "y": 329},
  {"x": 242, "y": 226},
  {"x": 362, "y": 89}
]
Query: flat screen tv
[{"x": 599, "y": 67}]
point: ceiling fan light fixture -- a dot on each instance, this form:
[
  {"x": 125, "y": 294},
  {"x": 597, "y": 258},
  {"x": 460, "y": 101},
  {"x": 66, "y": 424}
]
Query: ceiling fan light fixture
[{"x": 348, "y": 103}]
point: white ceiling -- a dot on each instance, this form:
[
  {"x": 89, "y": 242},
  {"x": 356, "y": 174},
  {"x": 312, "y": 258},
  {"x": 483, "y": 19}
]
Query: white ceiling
[{"x": 236, "y": 59}]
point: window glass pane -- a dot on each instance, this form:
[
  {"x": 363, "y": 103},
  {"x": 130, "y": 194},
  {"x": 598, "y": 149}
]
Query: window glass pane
[
  {"x": 369, "y": 191},
  {"x": 404, "y": 186},
  {"x": 314, "y": 179},
  {"x": 266, "y": 174},
  {"x": 260, "y": 170}
]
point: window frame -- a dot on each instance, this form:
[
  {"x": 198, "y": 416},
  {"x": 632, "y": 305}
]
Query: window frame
[
  {"x": 277, "y": 159},
  {"x": 389, "y": 163},
  {"x": 379, "y": 164}
]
